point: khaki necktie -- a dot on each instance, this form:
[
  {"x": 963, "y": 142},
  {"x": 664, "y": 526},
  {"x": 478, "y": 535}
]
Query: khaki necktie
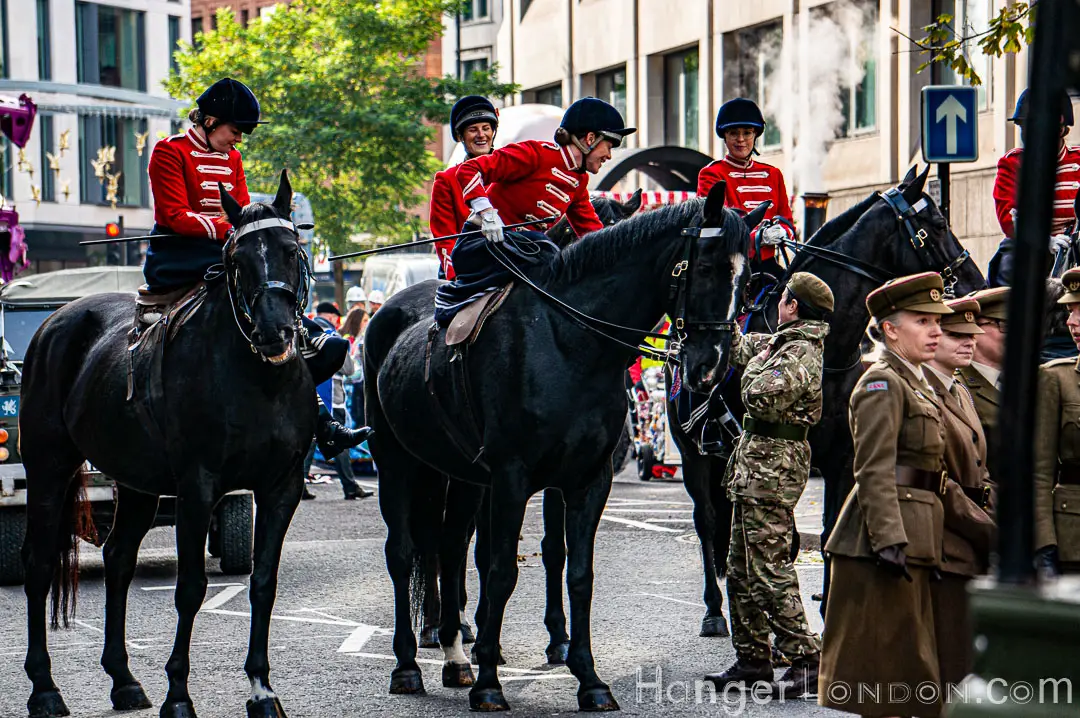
[{"x": 954, "y": 390}]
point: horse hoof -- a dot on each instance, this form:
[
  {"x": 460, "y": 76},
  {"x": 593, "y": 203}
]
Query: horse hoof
[
  {"x": 406, "y": 683},
  {"x": 597, "y": 699},
  {"x": 130, "y": 697},
  {"x": 467, "y": 635},
  {"x": 47, "y": 704},
  {"x": 557, "y": 653},
  {"x": 429, "y": 637},
  {"x": 487, "y": 700},
  {"x": 184, "y": 709},
  {"x": 457, "y": 675},
  {"x": 265, "y": 708},
  {"x": 714, "y": 626}
]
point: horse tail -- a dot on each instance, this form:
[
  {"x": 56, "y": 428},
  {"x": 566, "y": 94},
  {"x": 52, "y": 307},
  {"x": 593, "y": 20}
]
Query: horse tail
[
  {"x": 76, "y": 521},
  {"x": 426, "y": 525},
  {"x": 418, "y": 588}
]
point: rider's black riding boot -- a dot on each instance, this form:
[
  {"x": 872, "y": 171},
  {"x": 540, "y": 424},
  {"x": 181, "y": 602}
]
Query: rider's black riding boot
[
  {"x": 744, "y": 670},
  {"x": 332, "y": 438}
]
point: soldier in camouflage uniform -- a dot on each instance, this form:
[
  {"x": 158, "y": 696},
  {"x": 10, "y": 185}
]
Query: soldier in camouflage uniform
[{"x": 781, "y": 389}]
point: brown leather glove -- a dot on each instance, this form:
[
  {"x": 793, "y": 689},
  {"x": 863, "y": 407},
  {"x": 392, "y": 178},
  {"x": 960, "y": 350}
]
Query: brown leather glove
[{"x": 894, "y": 560}]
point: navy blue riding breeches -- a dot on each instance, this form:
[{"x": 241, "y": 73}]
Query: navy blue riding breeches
[{"x": 477, "y": 271}]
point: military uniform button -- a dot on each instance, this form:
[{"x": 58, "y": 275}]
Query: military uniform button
[
  {"x": 978, "y": 462},
  {"x": 907, "y": 495}
]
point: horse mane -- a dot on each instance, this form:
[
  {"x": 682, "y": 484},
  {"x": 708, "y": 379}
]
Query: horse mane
[
  {"x": 602, "y": 249},
  {"x": 255, "y": 211}
]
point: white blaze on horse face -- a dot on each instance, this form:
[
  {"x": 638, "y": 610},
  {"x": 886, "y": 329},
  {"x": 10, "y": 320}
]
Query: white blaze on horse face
[
  {"x": 455, "y": 653},
  {"x": 738, "y": 268},
  {"x": 260, "y": 692},
  {"x": 263, "y": 252}
]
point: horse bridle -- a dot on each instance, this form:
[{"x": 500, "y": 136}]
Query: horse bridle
[{"x": 243, "y": 306}]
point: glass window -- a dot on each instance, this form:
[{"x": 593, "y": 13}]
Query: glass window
[
  {"x": 681, "y": 99},
  {"x": 245, "y": 16},
  {"x": 468, "y": 67},
  {"x": 525, "y": 7},
  {"x": 174, "y": 42},
  {"x": 113, "y": 138},
  {"x": 196, "y": 26},
  {"x": 44, "y": 45},
  {"x": 48, "y": 146},
  {"x": 858, "y": 103},
  {"x": 611, "y": 87},
  {"x": 475, "y": 10},
  {"x": 970, "y": 18},
  {"x": 3, "y": 39},
  {"x": 550, "y": 95},
  {"x": 111, "y": 46},
  {"x": 750, "y": 59},
  {"x": 7, "y": 164}
]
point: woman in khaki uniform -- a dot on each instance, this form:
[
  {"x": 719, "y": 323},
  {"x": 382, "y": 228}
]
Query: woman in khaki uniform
[
  {"x": 880, "y": 653},
  {"x": 969, "y": 530},
  {"x": 1057, "y": 451}
]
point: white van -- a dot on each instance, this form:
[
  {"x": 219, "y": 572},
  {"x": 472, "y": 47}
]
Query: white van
[{"x": 391, "y": 274}]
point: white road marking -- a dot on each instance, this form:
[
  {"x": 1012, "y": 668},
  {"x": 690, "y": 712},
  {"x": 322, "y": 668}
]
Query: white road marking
[
  {"x": 639, "y": 524},
  {"x": 221, "y": 598},
  {"x": 652, "y": 511},
  {"x": 673, "y": 600},
  {"x": 615, "y": 503},
  {"x": 171, "y": 587},
  {"x": 524, "y": 674},
  {"x": 357, "y": 639},
  {"x": 84, "y": 624},
  {"x": 671, "y": 521},
  {"x": 297, "y": 619}
]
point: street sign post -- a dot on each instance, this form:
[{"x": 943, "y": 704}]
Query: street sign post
[{"x": 950, "y": 130}]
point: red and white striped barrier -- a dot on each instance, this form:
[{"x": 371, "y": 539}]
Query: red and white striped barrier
[{"x": 649, "y": 200}]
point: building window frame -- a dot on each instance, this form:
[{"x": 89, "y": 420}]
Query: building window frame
[
  {"x": 88, "y": 45},
  {"x": 44, "y": 40},
  {"x": 133, "y": 166},
  {"x": 5, "y": 71},
  {"x": 961, "y": 10},
  {"x": 47, "y": 135},
  {"x": 7, "y": 170},
  {"x": 549, "y": 94},
  {"x": 747, "y": 72},
  {"x": 479, "y": 63},
  {"x": 682, "y": 104},
  {"x": 860, "y": 112},
  {"x": 611, "y": 88},
  {"x": 174, "y": 43},
  {"x": 476, "y": 11}
]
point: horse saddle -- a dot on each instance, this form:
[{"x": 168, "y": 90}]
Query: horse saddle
[
  {"x": 158, "y": 318},
  {"x": 467, "y": 323}
]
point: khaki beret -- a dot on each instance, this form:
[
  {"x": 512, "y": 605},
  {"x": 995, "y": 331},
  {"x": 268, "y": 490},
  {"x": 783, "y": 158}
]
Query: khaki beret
[
  {"x": 962, "y": 320},
  {"x": 1071, "y": 281},
  {"x": 808, "y": 288},
  {"x": 915, "y": 293},
  {"x": 993, "y": 303}
]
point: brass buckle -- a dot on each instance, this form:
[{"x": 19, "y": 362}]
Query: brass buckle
[
  {"x": 944, "y": 482},
  {"x": 985, "y": 502},
  {"x": 680, "y": 268},
  {"x": 679, "y": 323}
]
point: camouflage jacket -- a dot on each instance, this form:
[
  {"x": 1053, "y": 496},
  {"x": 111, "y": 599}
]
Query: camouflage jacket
[{"x": 781, "y": 383}]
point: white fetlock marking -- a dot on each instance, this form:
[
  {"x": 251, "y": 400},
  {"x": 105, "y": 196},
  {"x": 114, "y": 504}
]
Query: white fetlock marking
[
  {"x": 454, "y": 653},
  {"x": 260, "y": 692}
]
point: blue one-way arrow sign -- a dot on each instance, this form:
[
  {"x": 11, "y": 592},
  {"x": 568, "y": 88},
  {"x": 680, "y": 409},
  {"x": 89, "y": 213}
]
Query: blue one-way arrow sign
[{"x": 950, "y": 123}]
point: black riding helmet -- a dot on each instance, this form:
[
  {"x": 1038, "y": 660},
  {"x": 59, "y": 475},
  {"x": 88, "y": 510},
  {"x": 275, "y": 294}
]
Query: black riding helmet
[
  {"x": 470, "y": 110},
  {"x": 1023, "y": 103},
  {"x": 739, "y": 112},
  {"x": 230, "y": 100},
  {"x": 590, "y": 114}
]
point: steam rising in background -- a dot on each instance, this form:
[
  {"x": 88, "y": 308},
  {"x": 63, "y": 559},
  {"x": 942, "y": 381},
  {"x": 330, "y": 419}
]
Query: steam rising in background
[{"x": 813, "y": 69}]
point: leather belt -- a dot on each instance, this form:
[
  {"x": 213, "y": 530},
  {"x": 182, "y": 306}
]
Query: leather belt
[
  {"x": 921, "y": 479},
  {"x": 978, "y": 494},
  {"x": 1069, "y": 473},
  {"x": 774, "y": 430}
]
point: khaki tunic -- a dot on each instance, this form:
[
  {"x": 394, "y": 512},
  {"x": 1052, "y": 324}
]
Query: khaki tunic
[
  {"x": 880, "y": 629},
  {"x": 987, "y": 398},
  {"x": 1057, "y": 441},
  {"x": 969, "y": 530}
]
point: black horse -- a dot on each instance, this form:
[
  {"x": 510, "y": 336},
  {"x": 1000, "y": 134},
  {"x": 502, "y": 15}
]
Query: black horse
[
  {"x": 546, "y": 393},
  {"x": 553, "y": 548},
  {"x": 233, "y": 410},
  {"x": 853, "y": 253}
]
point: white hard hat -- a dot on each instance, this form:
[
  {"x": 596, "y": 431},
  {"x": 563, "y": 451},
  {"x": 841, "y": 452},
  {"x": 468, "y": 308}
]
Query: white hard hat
[
  {"x": 377, "y": 297},
  {"x": 355, "y": 294}
]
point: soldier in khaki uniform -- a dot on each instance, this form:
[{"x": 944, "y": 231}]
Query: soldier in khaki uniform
[
  {"x": 781, "y": 389},
  {"x": 1057, "y": 451},
  {"x": 983, "y": 376},
  {"x": 969, "y": 529},
  {"x": 879, "y": 620}
]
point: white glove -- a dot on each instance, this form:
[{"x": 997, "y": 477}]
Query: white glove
[
  {"x": 773, "y": 235},
  {"x": 1059, "y": 243},
  {"x": 491, "y": 225}
]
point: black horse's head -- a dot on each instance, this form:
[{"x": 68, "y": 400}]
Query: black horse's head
[
  {"x": 265, "y": 273},
  {"x": 924, "y": 242},
  {"x": 709, "y": 280},
  {"x": 609, "y": 211}
]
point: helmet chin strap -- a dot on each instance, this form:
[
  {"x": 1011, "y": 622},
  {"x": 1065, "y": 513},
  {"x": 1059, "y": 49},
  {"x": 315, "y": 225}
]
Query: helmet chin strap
[{"x": 586, "y": 150}]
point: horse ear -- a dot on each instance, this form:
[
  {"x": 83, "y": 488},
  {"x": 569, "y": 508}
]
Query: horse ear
[
  {"x": 634, "y": 203},
  {"x": 714, "y": 203},
  {"x": 232, "y": 208},
  {"x": 910, "y": 176},
  {"x": 753, "y": 219},
  {"x": 283, "y": 200},
  {"x": 913, "y": 192}
]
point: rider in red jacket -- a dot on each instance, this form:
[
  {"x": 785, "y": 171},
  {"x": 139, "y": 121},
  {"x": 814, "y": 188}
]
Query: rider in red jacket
[
  {"x": 473, "y": 122},
  {"x": 528, "y": 181},
  {"x": 749, "y": 182},
  {"x": 184, "y": 174}
]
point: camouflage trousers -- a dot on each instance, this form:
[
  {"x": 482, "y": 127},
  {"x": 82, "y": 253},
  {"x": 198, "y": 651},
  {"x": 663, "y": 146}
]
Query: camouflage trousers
[{"x": 763, "y": 589}]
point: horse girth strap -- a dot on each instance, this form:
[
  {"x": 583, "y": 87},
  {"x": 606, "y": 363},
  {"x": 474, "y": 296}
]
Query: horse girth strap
[{"x": 457, "y": 436}]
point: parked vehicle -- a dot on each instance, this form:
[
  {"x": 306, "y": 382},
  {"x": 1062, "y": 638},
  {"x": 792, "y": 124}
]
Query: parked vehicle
[
  {"x": 24, "y": 304},
  {"x": 391, "y": 274}
]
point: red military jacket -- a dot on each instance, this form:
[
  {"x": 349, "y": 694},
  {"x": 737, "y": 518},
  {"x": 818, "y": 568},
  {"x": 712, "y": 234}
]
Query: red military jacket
[
  {"x": 747, "y": 187},
  {"x": 184, "y": 176},
  {"x": 1065, "y": 188},
  {"x": 446, "y": 215},
  {"x": 531, "y": 180}
]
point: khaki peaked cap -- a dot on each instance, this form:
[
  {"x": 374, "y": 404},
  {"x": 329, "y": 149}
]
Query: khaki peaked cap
[
  {"x": 993, "y": 303},
  {"x": 962, "y": 320},
  {"x": 808, "y": 288},
  {"x": 1071, "y": 281},
  {"x": 915, "y": 293}
]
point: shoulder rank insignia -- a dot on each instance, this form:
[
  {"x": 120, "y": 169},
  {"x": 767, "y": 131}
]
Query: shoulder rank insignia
[{"x": 877, "y": 386}]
